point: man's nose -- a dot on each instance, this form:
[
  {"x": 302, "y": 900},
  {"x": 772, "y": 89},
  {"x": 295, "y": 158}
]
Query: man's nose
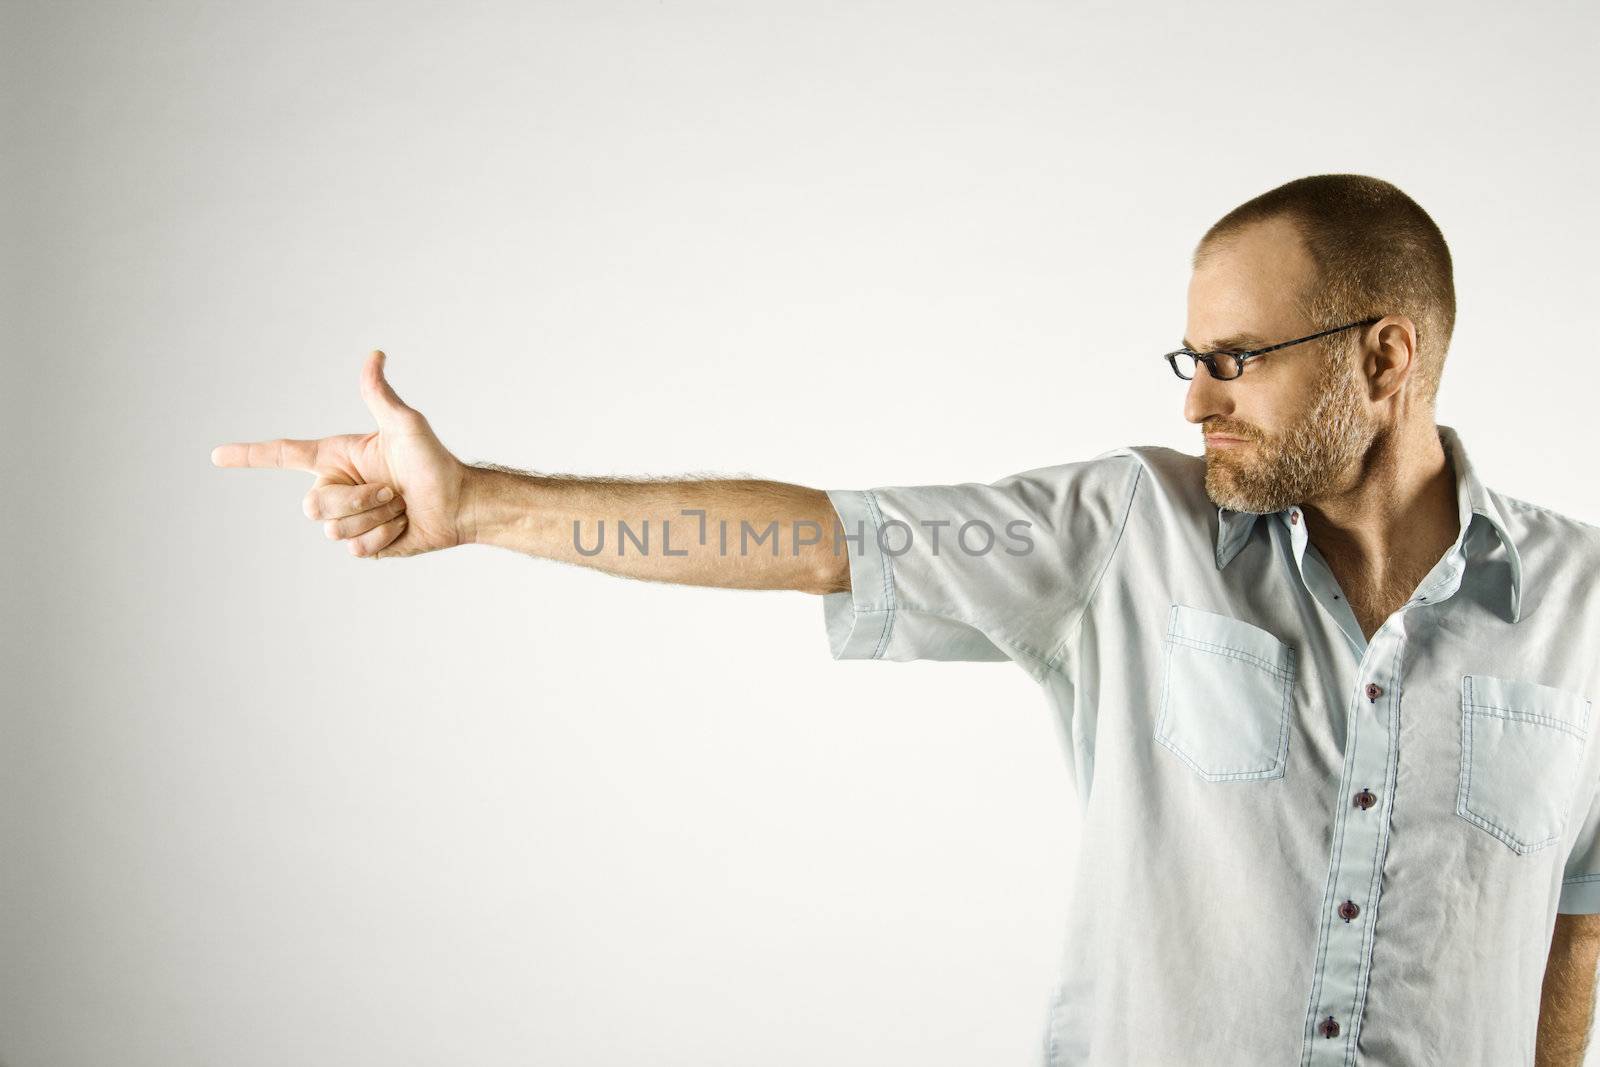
[{"x": 1206, "y": 398}]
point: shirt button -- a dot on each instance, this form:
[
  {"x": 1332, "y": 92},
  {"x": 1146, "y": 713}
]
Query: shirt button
[
  {"x": 1374, "y": 691},
  {"x": 1349, "y": 910},
  {"x": 1365, "y": 799},
  {"x": 1294, "y": 516},
  {"x": 1328, "y": 1028}
]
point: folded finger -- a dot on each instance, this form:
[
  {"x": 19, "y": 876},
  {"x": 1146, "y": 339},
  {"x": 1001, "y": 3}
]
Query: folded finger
[
  {"x": 334, "y": 500},
  {"x": 354, "y": 525},
  {"x": 376, "y": 538}
]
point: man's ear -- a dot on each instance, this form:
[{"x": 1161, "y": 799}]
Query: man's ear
[{"x": 1389, "y": 356}]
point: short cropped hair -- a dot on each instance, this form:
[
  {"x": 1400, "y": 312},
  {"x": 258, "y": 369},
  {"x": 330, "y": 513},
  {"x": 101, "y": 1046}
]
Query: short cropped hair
[{"x": 1376, "y": 252}]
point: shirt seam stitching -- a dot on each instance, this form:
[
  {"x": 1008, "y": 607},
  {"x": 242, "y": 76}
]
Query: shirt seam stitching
[
  {"x": 997, "y": 636},
  {"x": 1054, "y": 662},
  {"x": 876, "y": 515}
]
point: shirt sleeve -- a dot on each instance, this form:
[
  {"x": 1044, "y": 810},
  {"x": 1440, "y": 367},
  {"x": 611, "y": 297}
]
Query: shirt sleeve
[
  {"x": 1580, "y": 880},
  {"x": 973, "y": 571}
]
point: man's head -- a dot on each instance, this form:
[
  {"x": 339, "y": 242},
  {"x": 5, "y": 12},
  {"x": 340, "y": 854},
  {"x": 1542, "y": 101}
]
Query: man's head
[{"x": 1310, "y": 255}]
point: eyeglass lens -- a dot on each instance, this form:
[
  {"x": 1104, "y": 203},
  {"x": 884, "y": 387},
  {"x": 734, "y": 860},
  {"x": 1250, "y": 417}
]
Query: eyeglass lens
[{"x": 1228, "y": 365}]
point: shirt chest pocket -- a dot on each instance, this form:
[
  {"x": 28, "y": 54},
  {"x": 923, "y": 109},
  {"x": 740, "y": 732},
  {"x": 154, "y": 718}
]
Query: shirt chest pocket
[
  {"x": 1225, "y": 696},
  {"x": 1521, "y": 746}
]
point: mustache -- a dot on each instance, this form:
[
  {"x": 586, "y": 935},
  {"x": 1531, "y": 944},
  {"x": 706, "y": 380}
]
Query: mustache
[{"x": 1227, "y": 430}]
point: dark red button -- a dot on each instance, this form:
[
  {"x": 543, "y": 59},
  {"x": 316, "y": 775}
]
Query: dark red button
[
  {"x": 1374, "y": 691},
  {"x": 1294, "y": 516},
  {"x": 1365, "y": 799},
  {"x": 1348, "y": 910},
  {"x": 1328, "y": 1028}
]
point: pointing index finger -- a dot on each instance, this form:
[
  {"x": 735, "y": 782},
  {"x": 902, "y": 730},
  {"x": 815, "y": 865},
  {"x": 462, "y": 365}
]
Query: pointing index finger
[{"x": 283, "y": 453}]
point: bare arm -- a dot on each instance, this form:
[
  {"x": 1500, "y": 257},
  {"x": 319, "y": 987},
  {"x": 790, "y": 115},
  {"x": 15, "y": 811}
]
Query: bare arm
[
  {"x": 1567, "y": 1000},
  {"x": 738, "y": 533},
  {"x": 399, "y": 492}
]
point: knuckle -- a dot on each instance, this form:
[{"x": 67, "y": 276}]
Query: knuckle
[{"x": 310, "y": 506}]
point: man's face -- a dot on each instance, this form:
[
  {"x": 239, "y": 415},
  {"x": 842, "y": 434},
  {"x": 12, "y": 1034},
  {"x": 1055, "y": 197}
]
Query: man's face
[{"x": 1300, "y": 416}]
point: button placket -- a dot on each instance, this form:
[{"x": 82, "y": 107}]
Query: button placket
[{"x": 1338, "y": 991}]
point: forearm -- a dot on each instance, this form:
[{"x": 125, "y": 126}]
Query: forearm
[
  {"x": 734, "y": 533},
  {"x": 1566, "y": 1004}
]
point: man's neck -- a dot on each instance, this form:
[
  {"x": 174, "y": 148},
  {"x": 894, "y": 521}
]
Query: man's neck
[{"x": 1383, "y": 533}]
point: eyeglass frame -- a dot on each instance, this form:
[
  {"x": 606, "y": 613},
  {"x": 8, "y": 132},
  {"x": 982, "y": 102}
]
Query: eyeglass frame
[{"x": 1208, "y": 358}]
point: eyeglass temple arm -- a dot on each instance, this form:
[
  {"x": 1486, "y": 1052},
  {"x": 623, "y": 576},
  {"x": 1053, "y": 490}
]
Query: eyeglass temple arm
[{"x": 1312, "y": 337}]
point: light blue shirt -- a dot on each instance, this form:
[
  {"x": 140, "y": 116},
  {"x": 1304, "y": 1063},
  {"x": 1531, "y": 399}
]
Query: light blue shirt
[{"x": 1297, "y": 845}]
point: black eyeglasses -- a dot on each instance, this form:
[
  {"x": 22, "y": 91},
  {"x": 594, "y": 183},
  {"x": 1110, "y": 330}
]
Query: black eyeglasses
[{"x": 1229, "y": 365}]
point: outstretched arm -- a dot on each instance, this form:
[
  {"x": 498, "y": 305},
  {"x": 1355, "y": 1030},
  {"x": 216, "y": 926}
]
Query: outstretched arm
[{"x": 736, "y": 532}]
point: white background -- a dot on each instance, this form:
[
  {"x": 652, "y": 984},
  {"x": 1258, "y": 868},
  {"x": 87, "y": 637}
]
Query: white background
[{"x": 262, "y": 803}]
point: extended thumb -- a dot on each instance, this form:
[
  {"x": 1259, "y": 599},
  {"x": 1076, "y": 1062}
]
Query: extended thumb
[{"x": 382, "y": 400}]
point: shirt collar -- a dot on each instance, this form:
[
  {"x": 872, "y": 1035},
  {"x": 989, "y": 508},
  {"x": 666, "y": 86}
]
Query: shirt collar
[{"x": 1474, "y": 498}]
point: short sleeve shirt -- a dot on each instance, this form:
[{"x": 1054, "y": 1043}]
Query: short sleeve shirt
[{"x": 1298, "y": 845}]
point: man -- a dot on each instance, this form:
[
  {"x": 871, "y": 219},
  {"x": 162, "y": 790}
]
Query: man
[{"x": 1325, "y": 696}]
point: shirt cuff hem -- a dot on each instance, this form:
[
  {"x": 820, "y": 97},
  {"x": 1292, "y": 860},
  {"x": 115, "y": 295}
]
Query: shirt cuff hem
[
  {"x": 860, "y": 621},
  {"x": 1580, "y": 897}
]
